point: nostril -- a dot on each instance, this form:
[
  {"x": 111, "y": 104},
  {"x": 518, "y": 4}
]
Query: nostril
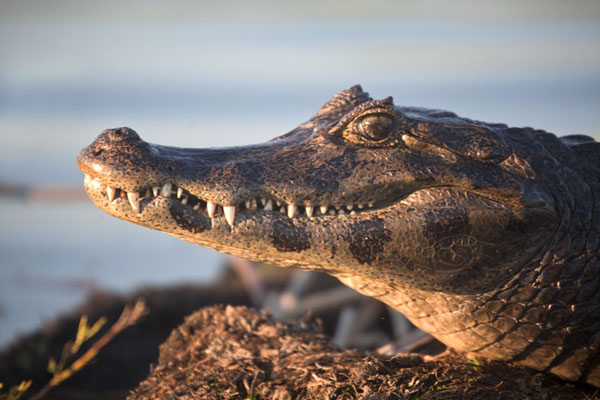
[
  {"x": 121, "y": 134},
  {"x": 116, "y": 136},
  {"x": 97, "y": 152}
]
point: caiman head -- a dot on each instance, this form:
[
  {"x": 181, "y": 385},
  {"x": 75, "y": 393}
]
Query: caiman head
[{"x": 403, "y": 196}]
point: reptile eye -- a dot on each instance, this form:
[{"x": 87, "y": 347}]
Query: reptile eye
[{"x": 375, "y": 126}]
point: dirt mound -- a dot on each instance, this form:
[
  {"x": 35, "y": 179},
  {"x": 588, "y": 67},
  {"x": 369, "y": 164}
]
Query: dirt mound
[{"x": 238, "y": 353}]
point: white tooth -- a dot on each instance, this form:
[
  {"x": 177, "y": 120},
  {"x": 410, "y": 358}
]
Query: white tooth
[
  {"x": 134, "y": 200},
  {"x": 248, "y": 204},
  {"x": 332, "y": 212},
  {"x": 269, "y": 205},
  {"x": 283, "y": 210},
  {"x": 111, "y": 193},
  {"x": 349, "y": 207},
  {"x": 184, "y": 201},
  {"x": 253, "y": 205},
  {"x": 337, "y": 207},
  {"x": 370, "y": 204},
  {"x": 341, "y": 211},
  {"x": 352, "y": 212},
  {"x": 156, "y": 190},
  {"x": 323, "y": 209},
  {"x": 210, "y": 208},
  {"x": 278, "y": 203},
  {"x": 361, "y": 206},
  {"x": 291, "y": 210},
  {"x": 263, "y": 201},
  {"x": 166, "y": 190},
  {"x": 229, "y": 214},
  {"x": 309, "y": 211},
  {"x": 179, "y": 192},
  {"x": 197, "y": 206}
]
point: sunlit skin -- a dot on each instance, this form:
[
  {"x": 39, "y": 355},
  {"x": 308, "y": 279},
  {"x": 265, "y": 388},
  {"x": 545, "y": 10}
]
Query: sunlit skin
[{"x": 481, "y": 234}]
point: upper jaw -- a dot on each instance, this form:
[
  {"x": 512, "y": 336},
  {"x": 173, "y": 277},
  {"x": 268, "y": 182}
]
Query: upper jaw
[{"x": 187, "y": 177}]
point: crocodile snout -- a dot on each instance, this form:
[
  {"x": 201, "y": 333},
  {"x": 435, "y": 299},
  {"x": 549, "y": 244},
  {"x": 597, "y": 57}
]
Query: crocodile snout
[
  {"x": 115, "y": 150},
  {"x": 109, "y": 138}
]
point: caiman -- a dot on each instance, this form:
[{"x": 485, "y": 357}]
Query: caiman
[{"x": 483, "y": 235}]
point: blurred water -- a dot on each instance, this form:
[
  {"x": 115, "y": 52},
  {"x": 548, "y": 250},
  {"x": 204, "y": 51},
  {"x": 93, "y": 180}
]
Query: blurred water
[
  {"x": 211, "y": 84},
  {"x": 54, "y": 254},
  {"x": 220, "y": 82}
]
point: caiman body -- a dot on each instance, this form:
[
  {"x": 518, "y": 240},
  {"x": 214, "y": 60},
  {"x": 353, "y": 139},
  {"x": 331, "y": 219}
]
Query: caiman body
[{"x": 483, "y": 235}]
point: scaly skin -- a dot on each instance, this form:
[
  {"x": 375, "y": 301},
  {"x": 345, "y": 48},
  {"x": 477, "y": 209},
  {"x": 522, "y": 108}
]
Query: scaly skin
[{"x": 483, "y": 235}]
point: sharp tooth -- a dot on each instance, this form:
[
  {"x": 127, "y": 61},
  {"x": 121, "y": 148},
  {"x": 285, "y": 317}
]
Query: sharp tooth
[
  {"x": 361, "y": 206},
  {"x": 291, "y": 210},
  {"x": 269, "y": 205},
  {"x": 253, "y": 205},
  {"x": 210, "y": 208},
  {"x": 111, "y": 192},
  {"x": 229, "y": 214},
  {"x": 309, "y": 211},
  {"x": 323, "y": 209},
  {"x": 332, "y": 212},
  {"x": 134, "y": 200},
  {"x": 179, "y": 192},
  {"x": 341, "y": 211},
  {"x": 156, "y": 190},
  {"x": 263, "y": 201},
  {"x": 278, "y": 203},
  {"x": 197, "y": 206},
  {"x": 248, "y": 204},
  {"x": 370, "y": 204},
  {"x": 185, "y": 200},
  {"x": 352, "y": 212},
  {"x": 166, "y": 190},
  {"x": 349, "y": 207}
]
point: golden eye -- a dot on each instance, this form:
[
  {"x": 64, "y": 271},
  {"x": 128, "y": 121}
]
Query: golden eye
[{"x": 375, "y": 126}]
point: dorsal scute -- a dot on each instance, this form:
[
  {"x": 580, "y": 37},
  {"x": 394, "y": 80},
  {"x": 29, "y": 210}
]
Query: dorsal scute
[
  {"x": 573, "y": 140},
  {"x": 586, "y": 149},
  {"x": 588, "y": 152},
  {"x": 342, "y": 103}
]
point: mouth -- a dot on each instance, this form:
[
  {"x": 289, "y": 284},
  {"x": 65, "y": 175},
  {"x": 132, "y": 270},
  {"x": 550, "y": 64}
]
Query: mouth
[{"x": 261, "y": 204}]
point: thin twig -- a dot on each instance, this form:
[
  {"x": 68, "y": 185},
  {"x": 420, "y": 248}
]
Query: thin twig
[{"x": 130, "y": 316}]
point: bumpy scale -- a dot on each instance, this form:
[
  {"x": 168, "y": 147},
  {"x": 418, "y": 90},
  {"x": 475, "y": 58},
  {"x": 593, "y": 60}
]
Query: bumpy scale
[{"x": 483, "y": 235}]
